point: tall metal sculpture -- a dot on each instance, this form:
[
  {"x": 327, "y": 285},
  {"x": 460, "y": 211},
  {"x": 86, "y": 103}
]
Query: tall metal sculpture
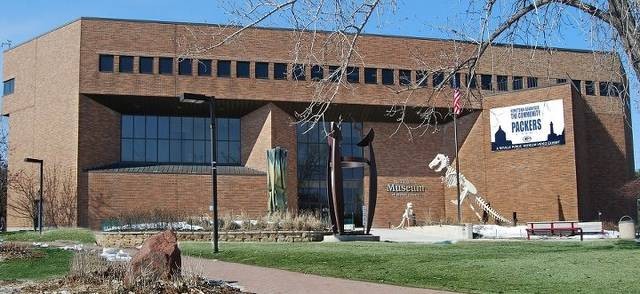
[{"x": 335, "y": 163}]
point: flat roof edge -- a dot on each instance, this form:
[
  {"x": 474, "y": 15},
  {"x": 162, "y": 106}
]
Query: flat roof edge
[{"x": 521, "y": 46}]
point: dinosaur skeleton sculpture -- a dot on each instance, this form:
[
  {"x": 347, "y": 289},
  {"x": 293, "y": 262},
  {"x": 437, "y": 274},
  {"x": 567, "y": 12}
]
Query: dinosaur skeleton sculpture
[{"x": 466, "y": 188}]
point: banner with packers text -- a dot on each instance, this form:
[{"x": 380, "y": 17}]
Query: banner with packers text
[{"x": 527, "y": 125}]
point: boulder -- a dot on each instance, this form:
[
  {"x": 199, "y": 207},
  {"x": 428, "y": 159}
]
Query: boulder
[{"x": 159, "y": 258}]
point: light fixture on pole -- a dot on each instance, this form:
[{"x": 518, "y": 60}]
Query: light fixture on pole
[
  {"x": 40, "y": 205},
  {"x": 199, "y": 99}
]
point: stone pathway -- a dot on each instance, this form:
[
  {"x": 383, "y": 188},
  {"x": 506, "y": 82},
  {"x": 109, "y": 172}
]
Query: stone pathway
[{"x": 267, "y": 280}]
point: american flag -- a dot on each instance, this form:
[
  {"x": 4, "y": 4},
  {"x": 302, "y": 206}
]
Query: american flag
[{"x": 457, "y": 101}]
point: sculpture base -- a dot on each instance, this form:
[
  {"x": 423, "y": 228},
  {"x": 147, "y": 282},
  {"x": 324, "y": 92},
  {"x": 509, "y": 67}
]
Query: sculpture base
[{"x": 351, "y": 238}]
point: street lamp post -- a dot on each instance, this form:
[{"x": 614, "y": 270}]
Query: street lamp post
[
  {"x": 40, "y": 201},
  {"x": 198, "y": 99}
]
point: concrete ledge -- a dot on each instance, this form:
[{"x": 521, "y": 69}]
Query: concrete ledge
[
  {"x": 351, "y": 238},
  {"x": 133, "y": 239}
]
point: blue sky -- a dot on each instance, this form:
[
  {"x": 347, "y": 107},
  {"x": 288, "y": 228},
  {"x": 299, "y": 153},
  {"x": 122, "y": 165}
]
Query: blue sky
[{"x": 22, "y": 20}]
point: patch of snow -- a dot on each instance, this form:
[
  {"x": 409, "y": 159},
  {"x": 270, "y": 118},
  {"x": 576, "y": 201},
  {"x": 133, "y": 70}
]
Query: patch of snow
[
  {"x": 41, "y": 245},
  {"x": 113, "y": 254},
  {"x": 520, "y": 232}
]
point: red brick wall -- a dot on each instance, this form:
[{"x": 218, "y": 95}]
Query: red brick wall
[{"x": 114, "y": 193}]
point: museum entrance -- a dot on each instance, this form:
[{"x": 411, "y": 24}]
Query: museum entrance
[{"x": 312, "y": 171}]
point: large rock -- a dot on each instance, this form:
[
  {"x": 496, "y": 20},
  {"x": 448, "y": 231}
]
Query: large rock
[{"x": 159, "y": 258}]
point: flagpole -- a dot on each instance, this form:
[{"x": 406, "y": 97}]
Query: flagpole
[{"x": 455, "y": 139}]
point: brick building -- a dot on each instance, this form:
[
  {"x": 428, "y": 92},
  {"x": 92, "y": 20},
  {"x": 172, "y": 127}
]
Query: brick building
[{"x": 98, "y": 97}]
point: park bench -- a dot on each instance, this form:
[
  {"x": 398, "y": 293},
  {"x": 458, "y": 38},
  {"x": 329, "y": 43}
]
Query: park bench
[{"x": 554, "y": 228}]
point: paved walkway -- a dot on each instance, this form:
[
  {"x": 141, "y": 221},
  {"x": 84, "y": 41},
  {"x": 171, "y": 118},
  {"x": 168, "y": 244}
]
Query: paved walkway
[{"x": 267, "y": 280}]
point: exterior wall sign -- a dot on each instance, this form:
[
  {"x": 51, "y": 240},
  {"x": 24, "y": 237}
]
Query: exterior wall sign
[
  {"x": 527, "y": 125},
  {"x": 405, "y": 188}
]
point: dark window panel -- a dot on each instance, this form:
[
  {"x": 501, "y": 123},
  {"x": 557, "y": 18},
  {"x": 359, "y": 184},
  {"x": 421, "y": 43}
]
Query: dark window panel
[
  {"x": 204, "y": 67},
  {"x": 187, "y": 128},
  {"x": 589, "y": 88},
  {"x": 334, "y": 73},
  {"x": 455, "y": 81},
  {"x": 165, "y": 65},
  {"x": 138, "y": 126},
  {"x": 152, "y": 127},
  {"x": 561, "y": 81},
  {"x": 577, "y": 84},
  {"x": 532, "y": 82},
  {"x": 8, "y": 87},
  {"x": 421, "y": 78},
  {"x": 105, "y": 63},
  {"x": 200, "y": 127},
  {"x": 262, "y": 70},
  {"x": 438, "y": 78},
  {"x": 187, "y": 151},
  {"x": 387, "y": 76},
  {"x": 126, "y": 150},
  {"x": 139, "y": 150},
  {"x": 126, "y": 64},
  {"x": 485, "y": 82},
  {"x": 298, "y": 72},
  {"x": 224, "y": 68},
  {"x": 163, "y": 127},
  {"x": 126, "y": 128},
  {"x": 317, "y": 73},
  {"x": 151, "y": 154},
  {"x": 175, "y": 150},
  {"x": 242, "y": 69},
  {"x": 404, "y": 76},
  {"x": 163, "y": 151},
  {"x": 604, "y": 89},
  {"x": 222, "y": 128},
  {"x": 185, "y": 67},
  {"x": 222, "y": 152},
  {"x": 517, "y": 83},
  {"x": 175, "y": 128},
  {"x": 234, "y": 129},
  {"x": 234, "y": 153},
  {"x": 503, "y": 83},
  {"x": 472, "y": 81},
  {"x": 145, "y": 65},
  {"x": 353, "y": 74},
  {"x": 370, "y": 75},
  {"x": 199, "y": 151},
  {"x": 280, "y": 71}
]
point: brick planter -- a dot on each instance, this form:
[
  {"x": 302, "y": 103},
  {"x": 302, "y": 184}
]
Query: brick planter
[{"x": 133, "y": 239}]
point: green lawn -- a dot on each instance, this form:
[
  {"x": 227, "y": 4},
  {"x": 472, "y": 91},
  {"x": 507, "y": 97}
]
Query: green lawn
[
  {"x": 68, "y": 234},
  {"x": 54, "y": 263},
  {"x": 487, "y": 267}
]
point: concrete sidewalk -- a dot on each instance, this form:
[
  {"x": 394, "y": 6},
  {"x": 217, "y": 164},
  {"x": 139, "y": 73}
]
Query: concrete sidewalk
[{"x": 267, "y": 280}]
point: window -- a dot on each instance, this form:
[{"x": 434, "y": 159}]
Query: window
[
  {"x": 610, "y": 89},
  {"x": 312, "y": 152},
  {"x": 455, "y": 81},
  {"x": 145, "y": 65},
  {"x": 298, "y": 72},
  {"x": 561, "y": 81},
  {"x": 224, "y": 68},
  {"x": 604, "y": 89},
  {"x": 204, "y": 67},
  {"x": 421, "y": 78},
  {"x": 532, "y": 82},
  {"x": 280, "y": 71},
  {"x": 517, "y": 83},
  {"x": 387, "y": 76},
  {"x": 405, "y": 76},
  {"x": 317, "y": 73},
  {"x": 242, "y": 69},
  {"x": 8, "y": 87},
  {"x": 485, "y": 82},
  {"x": 370, "y": 75},
  {"x": 164, "y": 139},
  {"x": 503, "y": 83},
  {"x": 262, "y": 70},
  {"x": 165, "y": 66},
  {"x": 471, "y": 81},
  {"x": 577, "y": 84},
  {"x": 353, "y": 74},
  {"x": 334, "y": 73},
  {"x": 438, "y": 78},
  {"x": 105, "y": 63},
  {"x": 589, "y": 88},
  {"x": 185, "y": 67},
  {"x": 126, "y": 64}
]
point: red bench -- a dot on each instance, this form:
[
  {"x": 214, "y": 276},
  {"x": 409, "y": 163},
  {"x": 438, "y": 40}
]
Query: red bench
[{"x": 554, "y": 228}]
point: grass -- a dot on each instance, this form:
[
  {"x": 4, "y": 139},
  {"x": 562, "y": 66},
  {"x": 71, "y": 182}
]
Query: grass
[
  {"x": 54, "y": 263},
  {"x": 67, "y": 234},
  {"x": 476, "y": 267}
]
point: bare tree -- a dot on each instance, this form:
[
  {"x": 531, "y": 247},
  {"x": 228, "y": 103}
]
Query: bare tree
[{"x": 59, "y": 196}]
